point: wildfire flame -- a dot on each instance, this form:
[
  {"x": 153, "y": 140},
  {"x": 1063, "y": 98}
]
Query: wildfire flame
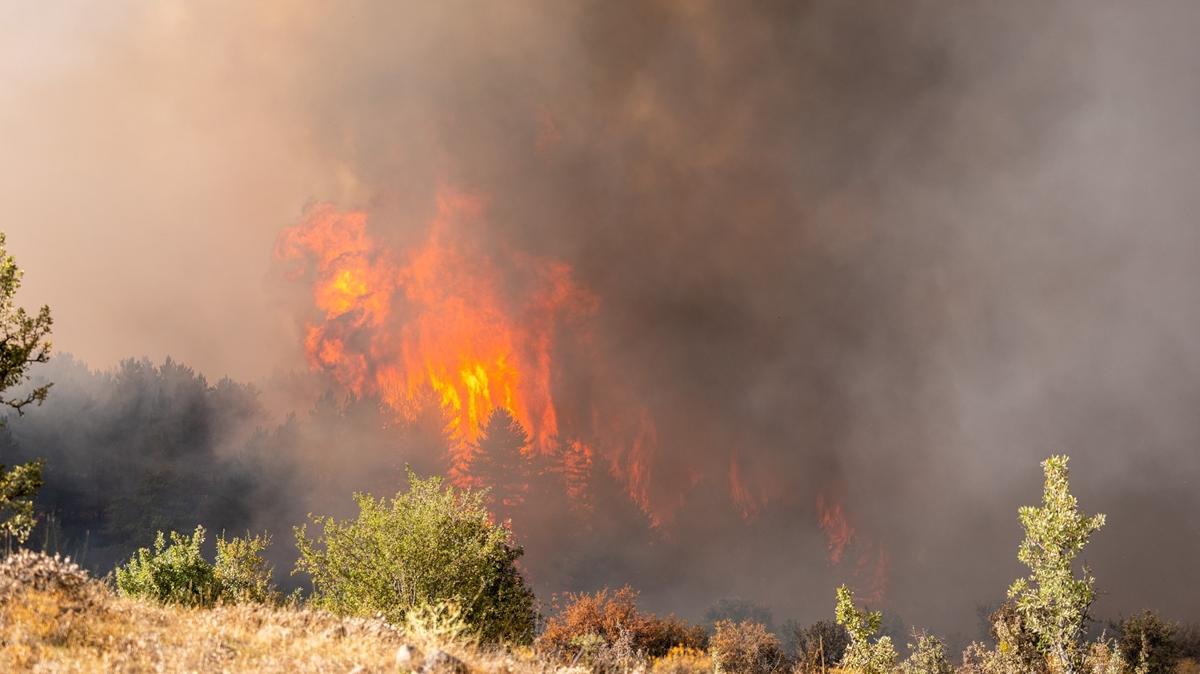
[
  {"x": 870, "y": 571},
  {"x": 436, "y": 323},
  {"x": 833, "y": 522},
  {"x": 468, "y": 328}
]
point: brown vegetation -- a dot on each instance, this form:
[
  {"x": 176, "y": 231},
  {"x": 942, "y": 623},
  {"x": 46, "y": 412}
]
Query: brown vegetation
[
  {"x": 609, "y": 619},
  {"x": 746, "y": 648}
]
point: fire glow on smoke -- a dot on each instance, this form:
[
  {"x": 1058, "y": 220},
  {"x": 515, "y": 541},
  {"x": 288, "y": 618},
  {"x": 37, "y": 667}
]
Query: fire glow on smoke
[
  {"x": 467, "y": 328},
  {"x": 434, "y": 322}
]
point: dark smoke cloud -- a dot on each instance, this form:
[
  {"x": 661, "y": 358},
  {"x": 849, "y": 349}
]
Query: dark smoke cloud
[{"x": 896, "y": 252}]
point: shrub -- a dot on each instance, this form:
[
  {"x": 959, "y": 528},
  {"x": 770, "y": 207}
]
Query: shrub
[
  {"x": 928, "y": 656},
  {"x": 588, "y": 620},
  {"x": 241, "y": 573},
  {"x": 745, "y": 648},
  {"x": 1015, "y": 642},
  {"x": 431, "y": 545},
  {"x": 819, "y": 645},
  {"x": 179, "y": 574},
  {"x": 1146, "y": 642},
  {"x": 1101, "y": 657},
  {"x": 865, "y": 653},
  {"x": 172, "y": 574},
  {"x": 1052, "y": 602}
]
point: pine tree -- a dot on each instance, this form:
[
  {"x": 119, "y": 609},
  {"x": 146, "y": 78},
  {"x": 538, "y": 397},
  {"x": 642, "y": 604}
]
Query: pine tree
[{"x": 500, "y": 462}]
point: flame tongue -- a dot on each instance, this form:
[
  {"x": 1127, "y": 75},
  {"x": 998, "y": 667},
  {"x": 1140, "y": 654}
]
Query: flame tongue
[
  {"x": 870, "y": 570},
  {"x": 437, "y": 323}
]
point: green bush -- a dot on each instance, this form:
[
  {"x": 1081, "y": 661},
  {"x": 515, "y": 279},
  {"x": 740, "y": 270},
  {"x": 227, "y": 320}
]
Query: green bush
[
  {"x": 865, "y": 653},
  {"x": 1052, "y": 602},
  {"x": 179, "y": 574},
  {"x": 172, "y": 574},
  {"x": 431, "y": 545},
  {"x": 927, "y": 656},
  {"x": 241, "y": 572}
]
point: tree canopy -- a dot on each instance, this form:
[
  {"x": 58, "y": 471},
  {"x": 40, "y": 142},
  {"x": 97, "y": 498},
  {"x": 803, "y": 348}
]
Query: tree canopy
[{"x": 24, "y": 341}]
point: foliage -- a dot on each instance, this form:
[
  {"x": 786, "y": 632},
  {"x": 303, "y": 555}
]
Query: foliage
[
  {"x": 24, "y": 337},
  {"x": 18, "y": 486},
  {"x": 619, "y": 656},
  {"x": 745, "y": 648},
  {"x": 817, "y": 646},
  {"x": 1016, "y": 645},
  {"x": 433, "y": 544},
  {"x": 172, "y": 574},
  {"x": 865, "y": 653},
  {"x": 241, "y": 572},
  {"x": 607, "y": 617},
  {"x": 1101, "y": 657},
  {"x": 928, "y": 656},
  {"x": 1052, "y": 602},
  {"x": 178, "y": 573},
  {"x": 24, "y": 341},
  {"x": 1146, "y": 641},
  {"x": 438, "y": 625}
]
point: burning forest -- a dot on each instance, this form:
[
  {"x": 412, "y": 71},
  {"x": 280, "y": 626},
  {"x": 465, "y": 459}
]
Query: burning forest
[{"x": 653, "y": 336}]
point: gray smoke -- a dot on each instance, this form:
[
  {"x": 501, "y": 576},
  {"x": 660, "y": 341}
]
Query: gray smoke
[{"x": 899, "y": 252}]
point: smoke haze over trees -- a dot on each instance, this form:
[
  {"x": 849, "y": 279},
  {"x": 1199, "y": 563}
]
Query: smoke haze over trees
[{"x": 892, "y": 252}]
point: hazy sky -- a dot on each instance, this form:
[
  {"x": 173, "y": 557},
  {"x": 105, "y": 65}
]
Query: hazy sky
[{"x": 149, "y": 161}]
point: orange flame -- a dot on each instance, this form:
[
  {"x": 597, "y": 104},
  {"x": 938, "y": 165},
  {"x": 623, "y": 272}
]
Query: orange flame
[
  {"x": 871, "y": 561},
  {"x": 436, "y": 323},
  {"x": 466, "y": 327},
  {"x": 872, "y": 571},
  {"x": 833, "y": 522}
]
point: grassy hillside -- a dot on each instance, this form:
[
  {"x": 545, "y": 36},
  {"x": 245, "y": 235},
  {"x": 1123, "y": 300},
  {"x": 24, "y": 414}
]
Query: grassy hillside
[{"x": 55, "y": 618}]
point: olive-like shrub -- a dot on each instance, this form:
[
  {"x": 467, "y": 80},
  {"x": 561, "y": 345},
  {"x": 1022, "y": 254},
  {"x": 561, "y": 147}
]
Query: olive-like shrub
[{"x": 432, "y": 545}]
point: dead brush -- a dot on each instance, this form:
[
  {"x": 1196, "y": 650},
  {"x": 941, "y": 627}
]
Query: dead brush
[
  {"x": 610, "y": 622},
  {"x": 746, "y": 648}
]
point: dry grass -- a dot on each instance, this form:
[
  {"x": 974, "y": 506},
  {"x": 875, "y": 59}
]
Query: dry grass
[
  {"x": 52, "y": 626},
  {"x": 126, "y": 635}
]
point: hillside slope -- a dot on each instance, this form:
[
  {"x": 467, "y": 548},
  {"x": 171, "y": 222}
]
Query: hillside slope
[{"x": 55, "y": 618}]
